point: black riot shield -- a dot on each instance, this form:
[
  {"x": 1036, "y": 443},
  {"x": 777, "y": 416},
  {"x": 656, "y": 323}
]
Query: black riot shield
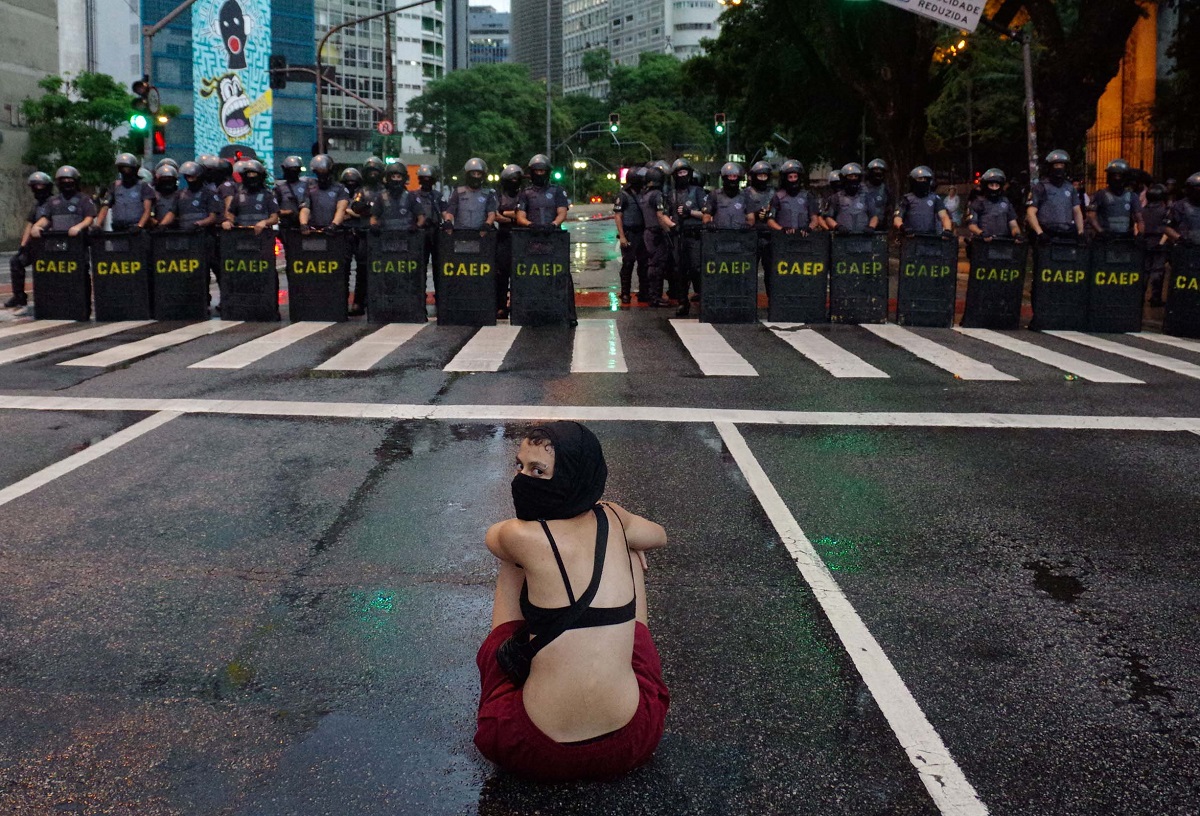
[
  {"x": 1182, "y": 315},
  {"x": 1060, "y": 285},
  {"x": 466, "y": 270},
  {"x": 995, "y": 284},
  {"x": 928, "y": 281},
  {"x": 249, "y": 281},
  {"x": 729, "y": 276},
  {"x": 541, "y": 283},
  {"x": 396, "y": 277},
  {"x": 179, "y": 264},
  {"x": 61, "y": 287},
  {"x": 318, "y": 276},
  {"x": 1118, "y": 286},
  {"x": 858, "y": 278},
  {"x": 799, "y": 272},
  {"x": 121, "y": 275}
]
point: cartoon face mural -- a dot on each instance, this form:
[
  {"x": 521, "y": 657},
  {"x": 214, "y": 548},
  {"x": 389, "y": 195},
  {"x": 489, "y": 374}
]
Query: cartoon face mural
[
  {"x": 234, "y": 119},
  {"x": 233, "y": 32}
]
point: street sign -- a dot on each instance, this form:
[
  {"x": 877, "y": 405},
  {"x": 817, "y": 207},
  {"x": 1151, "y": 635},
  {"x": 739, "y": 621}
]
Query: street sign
[
  {"x": 736, "y": 157},
  {"x": 386, "y": 127},
  {"x": 954, "y": 13}
]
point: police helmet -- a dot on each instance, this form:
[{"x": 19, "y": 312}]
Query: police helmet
[
  {"x": 66, "y": 172},
  {"x": 760, "y": 167},
  {"x": 993, "y": 175},
  {"x": 477, "y": 165},
  {"x": 127, "y": 160},
  {"x": 1117, "y": 166},
  {"x": 921, "y": 173},
  {"x": 396, "y": 168},
  {"x": 254, "y": 166},
  {"x": 351, "y": 175},
  {"x": 373, "y": 164},
  {"x": 189, "y": 169},
  {"x": 426, "y": 171},
  {"x": 664, "y": 167},
  {"x": 1156, "y": 192},
  {"x": 209, "y": 162},
  {"x": 165, "y": 171},
  {"x": 322, "y": 164},
  {"x": 835, "y": 177},
  {"x": 1058, "y": 157},
  {"x": 167, "y": 161},
  {"x": 292, "y": 163},
  {"x": 791, "y": 166},
  {"x": 851, "y": 169},
  {"x": 1193, "y": 181},
  {"x": 39, "y": 179},
  {"x": 639, "y": 173},
  {"x": 540, "y": 162},
  {"x": 654, "y": 176},
  {"x": 239, "y": 166},
  {"x": 681, "y": 164},
  {"x": 511, "y": 172},
  {"x": 732, "y": 170},
  {"x": 877, "y": 164}
]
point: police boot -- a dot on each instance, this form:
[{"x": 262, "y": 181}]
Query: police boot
[
  {"x": 16, "y": 301},
  {"x": 684, "y": 307}
]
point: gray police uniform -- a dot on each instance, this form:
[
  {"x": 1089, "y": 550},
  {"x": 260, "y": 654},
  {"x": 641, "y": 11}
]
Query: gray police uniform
[
  {"x": 65, "y": 213},
  {"x": 322, "y": 203},
  {"x": 291, "y": 195},
  {"x": 657, "y": 248},
  {"x": 194, "y": 206},
  {"x": 249, "y": 208},
  {"x": 470, "y": 208},
  {"x": 164, "y": 204},
  {"x": 633, "y": 222},
  {"x": 1117, "y": 213},
  {"x": 125, "y": 203},
  {"x": 358, "y": 219},
  {"x": 728, "y": 212},
  {"x": 853, "y": 212},
  {"x": 881, "y": 196},
  {"x": 920, "y": 214},
  {"x": 541, "y": 204},
  {"x": 992, "y": 217},
  {"x": 1055, "y": 207},
  {"x": 793, "y": 211},
  {"x": 1184, "y": 218},
  {"x": 685, "y": 253},
  {"x": 17, "y": 263},
  {"x": 758, "y": 204}
]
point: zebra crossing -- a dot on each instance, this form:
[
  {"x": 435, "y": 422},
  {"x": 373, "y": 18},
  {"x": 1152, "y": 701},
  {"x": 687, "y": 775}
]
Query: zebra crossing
[{"x": 597, "y": 347}]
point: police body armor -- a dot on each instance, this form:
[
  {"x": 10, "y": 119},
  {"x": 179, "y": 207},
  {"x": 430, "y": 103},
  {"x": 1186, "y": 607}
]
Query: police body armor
[
  {"x": 65, "y": 213},
  {"x": 1115, "y": 212},
  {"x": 471, "y": 212},
  {"x": 920, "y": 214},
  {"x": 322, "y": 203},
  {"x": 540, "y": 206},
  {"x": 851, "y": 211},
  {"x": 1057, "y": 212},
  {"x": 191, "y": 207},
  {"x": 125, "y": 205},
  {"x": 249, "y": 208}
]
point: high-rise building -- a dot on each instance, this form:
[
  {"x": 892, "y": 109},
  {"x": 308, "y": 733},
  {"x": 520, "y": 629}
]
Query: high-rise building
[
  {"x": 585, "y": 28},
  {"x": 488, "y": 35},
  {"x": 537, "y": 26}
]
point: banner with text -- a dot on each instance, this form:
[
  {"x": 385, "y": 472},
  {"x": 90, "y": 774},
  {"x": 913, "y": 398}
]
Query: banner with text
[{"x": 962, "y": 14}]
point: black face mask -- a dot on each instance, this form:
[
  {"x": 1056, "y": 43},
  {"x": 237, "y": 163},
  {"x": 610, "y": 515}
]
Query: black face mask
[
  {"x": 474, "y": 182},
  {"x": 579, "y": 476},
  {"x": 324, "y": 180},
  {"x": 67, "y": 188},
  {"x": 167, "y": 186},
  {"x": 759, "y": 183},
  {"x": 351, "y": 186},
  {"x": 41, "y": 194},
  {"x": 1058, "y": 175},
  {"x": 791, "y": 186},
  {"x": 1154, "y": 196},
  {"x": 396, "y": 185},
  {"x": 876, "y": 177},
  {"x": 252, "y": 183},
  {"x": 683, "y": 182},
  {"x": 637, "y": 184},
  {"x": 291, "y": 174},
  {"x": 851, "y": 187},
  {"x": 539, "y": 178},
  {"x": 730, "y": 186},
  {"x": 1116, "y": 183},
  {"x": 129, "y": 177},
  {"x": 426, "y": 184},
  {"x": 1193, "y": 195},
  {"x": 920, "y": 188},
  {"x": 994, "y": 195}
]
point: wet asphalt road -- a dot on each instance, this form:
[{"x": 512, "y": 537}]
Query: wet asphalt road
[{"x": 261, "y": 615}]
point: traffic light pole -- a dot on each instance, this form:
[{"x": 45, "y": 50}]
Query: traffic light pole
[{"x": 148, "y": 33}]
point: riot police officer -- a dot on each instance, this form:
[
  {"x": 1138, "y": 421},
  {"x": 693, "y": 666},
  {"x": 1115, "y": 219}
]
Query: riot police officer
[
  {"x": 217, "y": 174},
  {"x": 658, "y": 225},
  {"x": 1054, "y": 208},
  {"x": 358, "y": 220},
  {"x": 196, "y": 206},
  {"x": 1154, "y": 216},
  {"x": 325, "y": 199},
  {"x": 1116, "y": 211},
  {"x": 395, "y": 208},
  {"x": 833, "y": 186},
  {"x": 373, "y": 170},
  {"x": 631, "y": 234},
  {"x": 726, "y": 206},
  {"x": 433, "y": 205},
  {"x": 684, "y": 205},
  {"x": 129, "y": 199},
  {"x": 922, "y": 211},
  {"x": 992, "y": 215},
  {"x": 541, "y": 205},
  {"x": 793, "y": 209},
  {"x": 1183, "y": 220},
  {"x": 471, "y": 206},
  {"x": 291, "y": 192},
  {"x": 164, "y": 162},
  {"x": 758, "y": 195},
  {"x": 507, "y": 201},
  {"x": 40, "y": 185},
  {"x": 852, "y": 208},
  {"x": 252, "y": 205},
  {"x": 166, "y": 185},
  {"x": 876, "y": 186},
  {"x": 69, "y": 211}
]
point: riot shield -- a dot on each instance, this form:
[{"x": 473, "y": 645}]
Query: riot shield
[
  {"x": 541, "y": 282},
  {"x": 995, "y": 284},
  {"x": 799, "y": 272},
  {"x": 466, "y": 271},
  {"x": 1060, "y": 285},
  {"x": 1118, "y": 286},
  {"x": 121, "y": 275},
  {"x": 180, "y": 269},
  {"x": 318, "y": 276},
  {"x": 61, "y": 286},
  {"x": 396, "y": 277},
  {"x": 729, "y": 276},
  {"x": 858, "y": 280},
  {"x": 1182, "y": 315},
  {"x": 928, "y": 281},
  {"x": 249, "y": 281}
]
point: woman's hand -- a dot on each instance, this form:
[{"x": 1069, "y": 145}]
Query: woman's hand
[{"x": 641, "y": 556}]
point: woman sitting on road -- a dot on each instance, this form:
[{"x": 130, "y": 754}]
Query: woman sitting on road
[{"x": 571, "y": 684}]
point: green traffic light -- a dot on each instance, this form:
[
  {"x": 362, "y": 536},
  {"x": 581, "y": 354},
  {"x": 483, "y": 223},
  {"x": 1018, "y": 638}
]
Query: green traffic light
[
  {"x": 720, "y": 129},
  {"x": 558, "y": 175},
  {"x": 138, "y": 121},
  {"x": 614, "y": 128}
]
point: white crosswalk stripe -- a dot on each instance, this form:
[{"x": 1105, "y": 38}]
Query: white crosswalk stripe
[
  {"x": 368, "y": 351},
  {"x": 22, "y": 352},
  {"x": 149, "y": 345},
  {"x": 1122, "y": 350},
  {"x": 260, "y": 347},
  {"x": 1169, "y": 340},
  {"x": 960, "y": 365},
  {"x": 31, "y": 326},
  {"x": 597, "y": 348},
  {"x": 711, "y": 351},
  {"x": 1063, "y": 362},
  {"x": 824, "y": 352},
  {"x": 486, "y": 350}
]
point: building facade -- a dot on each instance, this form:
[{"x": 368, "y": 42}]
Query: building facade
[
  {"x": 487, "y": 36},
  {"x": 532, "y": 38}
]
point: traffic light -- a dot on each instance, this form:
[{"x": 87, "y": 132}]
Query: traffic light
[
  {"x": 558, "y": 174},
  {"x": 139, "y": 121},
  {"x": 719, "y": 124},
  {"x": 614, "y": 122},
  {"x": 141, "y": 94},
  {"x": 278, "y": 65}
]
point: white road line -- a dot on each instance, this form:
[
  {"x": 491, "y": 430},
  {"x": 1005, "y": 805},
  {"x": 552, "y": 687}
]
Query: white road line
[
  {"x": 149, "y": 345},
  {"x": 62, "y": 341},
  {"x": 945, "y": 781},
  {"x": 1169, "y": 340},
  {"x": 824, "y": 352},
  {"x": 957, "y": 364},
  {"x": 258, "y": 348},
  {"x": 60, "y": 468},
  {"x": 32, "y": 326},
  {"x": 486, "y": 350},
  {"x": 597, "y": 348},
  {"x": 368, "y": 351},
  {"x": 1085, "y": 371},
  {"x": 606, "y": 413},
  {"x": 710, "y": 350},
  {"x": 1132, "y": 352}
]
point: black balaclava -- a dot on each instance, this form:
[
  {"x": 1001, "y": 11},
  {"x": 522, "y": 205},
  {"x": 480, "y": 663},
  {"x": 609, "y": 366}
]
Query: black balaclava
[
  {"x": 1058, "y": 174},
  {"x": 129, "y": 175},
  {"x": 67, "y": 187},
  {"x": 475, "y": 179},
  {"x": 636, "y": 182},
  {"x": 425, "y": 183},
  {"x": 578, "y": 481},
  {"x": 291, "y": 174},
  {"x": 1155, "y": 193},
  {"x": 253, "y": 182},
  {"x": 539, "y": 178},
  {"x": 324, "y": 180},
  {"x": 993, "y": 194},
  {"x": 195, "y": 183},
  {"x": 920, "y": 187},
  {"x": 759, "y": 181},
  {"x": 1117, "y": 182},
  {"x": 166, "y": 185},
  {"x": 395, "y": 183},
  {"x": 792, "y": 185},
  {"x": 850, "y": 185},
  {"x": 683, "y": 179},
  {"x": 730, "y": 185},
  {"x": 41, "y": 193}
]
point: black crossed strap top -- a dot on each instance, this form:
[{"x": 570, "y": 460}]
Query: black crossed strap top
[{"x": 537, "y": 616}]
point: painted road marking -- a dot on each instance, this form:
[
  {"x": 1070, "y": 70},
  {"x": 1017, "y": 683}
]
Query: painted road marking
[
  {"x": 65, "y": 466},
  {"x": 1141, "y": 355},
  {"x": 260, "y": 347},
  {"x": 11, "y": 355},
  {"x": 486, "y": 350},
  {"x": 1169, "y": 340},
  {"x": 32, "y": 326},
  {"x": 1085, "y": 371},
  {"x": 368, "y": 351},
  {"x": 945, "y": 781},
  {"x": 597, "y": 348},
  {"x": 149, "y": 345},
  {"x": 824, "y": 352},
  {"x": 711, "y": 351},
  {"x": 959, "y": 365},
  {"x": 604, "y": 413}
]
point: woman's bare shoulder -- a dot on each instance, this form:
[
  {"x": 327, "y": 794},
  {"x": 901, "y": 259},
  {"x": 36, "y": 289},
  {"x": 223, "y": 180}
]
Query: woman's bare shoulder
[{"x": 507, "y": 538}]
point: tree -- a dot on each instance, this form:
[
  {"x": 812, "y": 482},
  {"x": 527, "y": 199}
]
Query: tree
[
  {"x": 73, "y": 123},
  {"x": 1178, "y": 96},
  {"x": 597, "y": 65}
]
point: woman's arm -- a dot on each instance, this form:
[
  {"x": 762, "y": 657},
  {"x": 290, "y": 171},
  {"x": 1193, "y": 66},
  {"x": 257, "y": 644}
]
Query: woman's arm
[{"x": 641, "y": 533}]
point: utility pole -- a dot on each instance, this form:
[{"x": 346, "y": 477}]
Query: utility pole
[
  {"x": 549, "y": 32},
  {"x": 148, "y": 33},
  {"x": 1030, "y": 107}
]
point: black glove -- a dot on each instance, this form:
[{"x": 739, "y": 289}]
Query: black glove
[
  {"x": 134, "y": 230},
  {"x": 23, "y": 258},
  {"x": 842, "y": 229},
  {"x": 305, "y": 229},
  {"x": 947, "y": 233},
  {"x": 679, "y": 211},
  {"x": 1043, "y": 237}
]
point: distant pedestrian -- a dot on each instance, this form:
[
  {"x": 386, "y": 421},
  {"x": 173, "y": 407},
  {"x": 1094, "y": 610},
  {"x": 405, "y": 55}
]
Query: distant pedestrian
[{"x": 954, "y": 207}]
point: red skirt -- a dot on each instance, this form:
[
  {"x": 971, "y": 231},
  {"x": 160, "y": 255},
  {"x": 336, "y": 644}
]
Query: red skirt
[{"x": 507, "y": 736}]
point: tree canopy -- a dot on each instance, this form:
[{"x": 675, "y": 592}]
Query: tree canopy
[{"x": 73, "y": 123}]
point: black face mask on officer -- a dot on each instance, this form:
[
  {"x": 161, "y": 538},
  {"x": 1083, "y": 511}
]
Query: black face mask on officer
[
  {"x": 68, "y": 187},
  {"x": 351, "y": 186},
  {"x": 425, "y": 183},
  {"x": 474, "y": 179},
  {"x": 759, "y": 181},
  {"x": 578, "y": 479},
  {"x": 994, "y": 191},
  {"x": 252, "y": 181},
  {"x": 396, "y": 183},
  {"x": 730, "y": 185},
  {"x": 195, "y": 183},
  {"x": 41, "y": 193},
  {"x": 791, "y": 183},
  {"x": 539, "y": 178},
  {"x": 682, "y": 179},
  {"x": 510, "y": 185},
  {"x": 129, "y": 175},
  {"x": 920, "y": 188},
  {"x": 1156, "y": 194},
  {"x": 1116, "y": 182},
  {"x": 166, "y": 186},
  {"x": 324, "y": 180},
  {"x": 875, "y": 177},
  {"x": 636, "y": 182},
  {"x": 291, "y": 174},
  {"x": 1058, "y": 174},
  {"x": 850, "y": 184}
]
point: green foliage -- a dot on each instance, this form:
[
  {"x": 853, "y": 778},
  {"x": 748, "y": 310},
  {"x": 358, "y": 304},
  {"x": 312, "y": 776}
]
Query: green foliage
[
  {"x": 596, "y": 64},
  {"x": 73, "y": 123},
  {"x": 1179, "y": 94}
]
